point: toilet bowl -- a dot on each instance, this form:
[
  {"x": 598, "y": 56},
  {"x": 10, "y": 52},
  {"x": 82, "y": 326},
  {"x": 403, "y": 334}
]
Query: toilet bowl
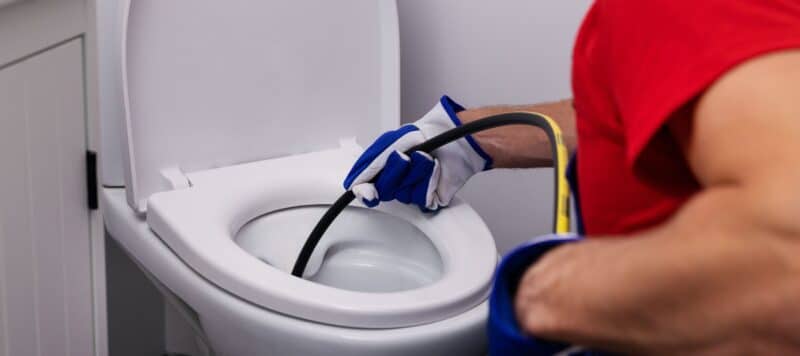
[
  {"x": 231, "y": 326},
  {"x": 241, "y": 121},
  {"x": 369, "y": 251}
]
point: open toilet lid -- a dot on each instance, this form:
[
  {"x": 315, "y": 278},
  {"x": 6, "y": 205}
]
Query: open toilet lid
[{"x": 214, "y": 83}]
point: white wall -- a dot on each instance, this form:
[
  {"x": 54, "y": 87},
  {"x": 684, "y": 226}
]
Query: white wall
[
  {"x": 485, "y": 53},
  {"x": 112, "y": 112}
]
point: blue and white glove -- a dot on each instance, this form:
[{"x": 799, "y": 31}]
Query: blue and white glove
[
  {"x": 506, "y": 338},
  {"x": 428, "y": 180}
]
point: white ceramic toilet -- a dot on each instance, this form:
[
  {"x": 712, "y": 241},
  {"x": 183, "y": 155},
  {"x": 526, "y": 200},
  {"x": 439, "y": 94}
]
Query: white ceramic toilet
[{"x": 240, "y": 124}]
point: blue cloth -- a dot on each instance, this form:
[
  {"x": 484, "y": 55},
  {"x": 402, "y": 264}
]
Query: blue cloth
[{"x": 506, "y": 338}]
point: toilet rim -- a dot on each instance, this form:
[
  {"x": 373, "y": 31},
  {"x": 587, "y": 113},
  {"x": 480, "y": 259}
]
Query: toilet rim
[{"x": 218, "y": 207}]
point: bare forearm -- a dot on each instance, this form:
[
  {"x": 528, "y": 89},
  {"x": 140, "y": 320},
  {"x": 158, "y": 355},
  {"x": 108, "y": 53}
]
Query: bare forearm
[
  {"x": 523, "y": 146},
  {"x": 713, "y": 280}
]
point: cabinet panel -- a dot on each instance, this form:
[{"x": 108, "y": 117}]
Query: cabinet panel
[
  {"x": 18, "y": 275},
  {"x": 45, "y": 272}
]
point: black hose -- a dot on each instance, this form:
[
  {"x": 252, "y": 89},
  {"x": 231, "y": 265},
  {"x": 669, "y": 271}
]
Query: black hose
[{"x": 515, "y": 118}]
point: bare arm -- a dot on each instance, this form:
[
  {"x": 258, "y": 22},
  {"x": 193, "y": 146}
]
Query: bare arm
[
  {"x": 523, "y": 146},
  {"x": 723, "y": 275}
]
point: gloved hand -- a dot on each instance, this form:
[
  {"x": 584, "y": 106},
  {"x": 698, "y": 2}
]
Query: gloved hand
[
  {"x": 427, "y": 180},
  {"x": 506, "y": 338}
]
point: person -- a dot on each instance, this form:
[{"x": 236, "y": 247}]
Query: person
[{"x": 686, "y": 128}]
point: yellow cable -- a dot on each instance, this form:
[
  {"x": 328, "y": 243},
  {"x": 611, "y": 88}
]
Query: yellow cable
[{"x": 562, "y": 225}]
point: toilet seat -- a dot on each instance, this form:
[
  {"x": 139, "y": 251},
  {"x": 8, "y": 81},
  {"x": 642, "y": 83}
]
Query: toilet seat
[{"x": 199, "y": 224}]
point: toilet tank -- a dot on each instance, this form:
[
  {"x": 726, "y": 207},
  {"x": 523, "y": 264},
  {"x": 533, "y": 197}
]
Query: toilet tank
[{"x": 215, "y": 83}]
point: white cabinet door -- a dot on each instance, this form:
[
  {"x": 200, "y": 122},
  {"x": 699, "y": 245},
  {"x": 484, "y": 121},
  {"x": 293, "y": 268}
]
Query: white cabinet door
[{"x": 45, "y": 266}]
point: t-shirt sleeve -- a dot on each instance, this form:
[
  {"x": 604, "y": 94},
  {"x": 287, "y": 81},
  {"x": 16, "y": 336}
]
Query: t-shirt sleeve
[{"x": 665, "y": 53}]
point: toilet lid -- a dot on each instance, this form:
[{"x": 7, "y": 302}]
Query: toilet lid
[{"x": 212, "y": 83}]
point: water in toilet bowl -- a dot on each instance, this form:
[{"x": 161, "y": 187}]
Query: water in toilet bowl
[{"x": 366, "y": 250}]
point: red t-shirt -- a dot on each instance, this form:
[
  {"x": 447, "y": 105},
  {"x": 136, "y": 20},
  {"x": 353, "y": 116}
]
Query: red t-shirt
[{"x": 640, "y": 63}]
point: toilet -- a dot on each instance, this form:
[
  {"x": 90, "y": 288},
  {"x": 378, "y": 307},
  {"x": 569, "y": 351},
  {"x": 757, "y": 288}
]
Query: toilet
[{"x": 242, "y": 118}]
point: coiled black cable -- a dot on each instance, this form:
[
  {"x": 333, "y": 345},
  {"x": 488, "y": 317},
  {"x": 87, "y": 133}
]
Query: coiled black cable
[{"x": 561, "y": 192}]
